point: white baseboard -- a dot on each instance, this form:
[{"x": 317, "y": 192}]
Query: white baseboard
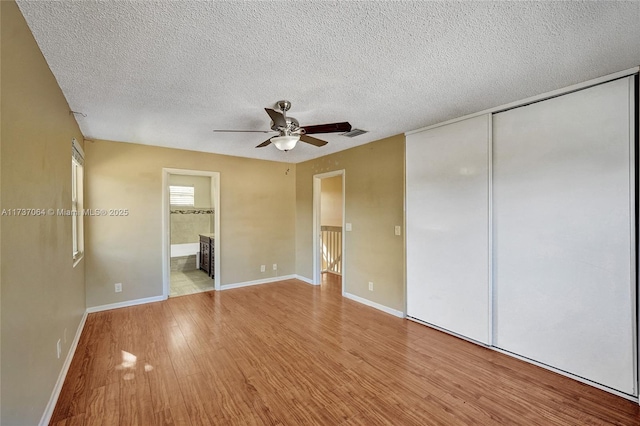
[
  {"x": 304, "y": 279},
  {"x": 257, "y": 282},
  {"x": 51, "y": 405},
  {"x": 378, "y": 306},
  {"x": 125, "y": 304}
]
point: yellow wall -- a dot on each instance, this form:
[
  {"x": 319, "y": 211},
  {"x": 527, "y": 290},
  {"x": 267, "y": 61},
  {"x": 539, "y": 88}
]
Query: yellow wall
[
  {"x": 257, "y": 217},
  {"x": 374, "y": 204},
  {"x": 331, "y": 201},
  {"x": 42, "y": 294}
]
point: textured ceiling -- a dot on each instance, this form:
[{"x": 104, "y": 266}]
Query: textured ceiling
[{"x": 168, "y": 73}]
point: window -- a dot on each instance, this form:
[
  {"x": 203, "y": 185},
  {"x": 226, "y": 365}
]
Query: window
[
  {"x": 77, "y": 222},
  {"x": 181, "y": 196}
]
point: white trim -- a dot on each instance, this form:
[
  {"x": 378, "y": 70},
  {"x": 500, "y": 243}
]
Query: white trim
[
  {"x": 378, "y": 306},
  {"x": 51, "y": 405},
  {"x": 77, "y": 259},
  {"x": 632, "y": 226},
  {"x": 490, "y": 257},
  {"x": 258, "y": 282},
  {"x": 126, "y": 304},
  {"x": 536, "y": 98},
  {"x": 303, "y": 279},
  {"x": 636, "y": 137},
  {"x": 75, "y": 145},
  {"x": 166, "y": 235},
  {"x": 166, "y": 224}
]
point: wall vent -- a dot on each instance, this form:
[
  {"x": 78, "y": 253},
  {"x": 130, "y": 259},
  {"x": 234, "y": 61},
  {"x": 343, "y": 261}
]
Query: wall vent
[{"x": 355, "y": 132}]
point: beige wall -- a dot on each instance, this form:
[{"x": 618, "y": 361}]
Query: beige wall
[
  {"x": 374, "y": 204},
  {"x": 331, "y": 201},
  {"x": 42, "y": 294},
  {"x": 257, "y": 217}
]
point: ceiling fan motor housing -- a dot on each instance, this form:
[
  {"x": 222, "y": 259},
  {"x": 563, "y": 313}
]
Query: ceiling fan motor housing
[{"x": 293, "y": 126}]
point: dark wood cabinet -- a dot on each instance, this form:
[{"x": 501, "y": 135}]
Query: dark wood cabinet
[{"x": 207, "y": 257}]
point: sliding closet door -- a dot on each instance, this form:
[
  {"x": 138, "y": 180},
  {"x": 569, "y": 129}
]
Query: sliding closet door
[
  {"x": 447, "y": 227},
  {"x": 564, "y": 233}
]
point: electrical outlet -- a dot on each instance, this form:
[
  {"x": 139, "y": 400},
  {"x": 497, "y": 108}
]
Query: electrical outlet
[
  {"x": 118, "y": 287},
  {"x": 370, "y": 286},
  {"x": 263, "y": 268},
  {"x": 275, "y": 266},
  {"x": 59, "y": 348},
  {"x": 347, "y": 226},
  {"x": 398, "y": 230}
]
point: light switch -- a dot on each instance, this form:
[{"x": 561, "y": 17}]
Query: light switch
[
  {"x": 348, "y": 226},
  {"x": 398, "y": 231}
]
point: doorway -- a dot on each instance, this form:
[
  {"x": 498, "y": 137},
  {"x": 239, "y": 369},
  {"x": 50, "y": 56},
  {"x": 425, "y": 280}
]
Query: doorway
[
  {"x": 328, "y": 225},
  {"x": 191, "y": 231}
]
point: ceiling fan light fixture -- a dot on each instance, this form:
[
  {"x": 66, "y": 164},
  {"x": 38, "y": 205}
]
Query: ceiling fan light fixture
[{"x": 285, "y": 143}]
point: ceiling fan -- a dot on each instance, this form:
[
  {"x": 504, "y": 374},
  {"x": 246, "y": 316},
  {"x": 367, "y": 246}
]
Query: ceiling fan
[{"x": 289, "y": 130}]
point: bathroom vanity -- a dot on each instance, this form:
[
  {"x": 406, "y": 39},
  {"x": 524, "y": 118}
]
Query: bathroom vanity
[{"x": 207, "y": 253}]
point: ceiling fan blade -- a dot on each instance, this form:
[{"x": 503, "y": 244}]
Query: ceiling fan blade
[
  {"x": 328, "y": 128},
  {"x": 278, "y": 118},
  {"x": 263, "y": 144},
  {"x": 313, "y": 141},
  {"x": 245, "y": 131}
]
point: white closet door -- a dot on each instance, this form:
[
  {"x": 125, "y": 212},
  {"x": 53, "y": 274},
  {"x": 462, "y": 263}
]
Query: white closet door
[
  {"x": 564, "y": 233},
  {"x": 447, "y": 227}
]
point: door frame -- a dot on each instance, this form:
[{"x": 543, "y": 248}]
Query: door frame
[
  {"x": 166, "y": 224},
  {"x": 317, "y": 238}
]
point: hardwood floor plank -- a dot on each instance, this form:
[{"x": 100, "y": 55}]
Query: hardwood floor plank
[
  {"x": 289, "y": 353},
  {"x": 72, "y": 421},
  {"x": 95, "y": 407},
  {"x": 166, "y": 390},
  {"x": 179, "y": 415},
  {"x": 111, "y": 404},
  {"x": 198, "y": 400},
  {"x": 179, "y": 352}
]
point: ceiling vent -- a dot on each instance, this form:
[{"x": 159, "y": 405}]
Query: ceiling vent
[{"x": 355, "y": 132}]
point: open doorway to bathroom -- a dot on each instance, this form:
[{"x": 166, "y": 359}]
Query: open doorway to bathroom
[{"x": 191, "y": 204}]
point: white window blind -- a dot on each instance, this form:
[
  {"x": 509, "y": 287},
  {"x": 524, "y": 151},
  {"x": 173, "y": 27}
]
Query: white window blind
[{"x": 181, "y": 195}]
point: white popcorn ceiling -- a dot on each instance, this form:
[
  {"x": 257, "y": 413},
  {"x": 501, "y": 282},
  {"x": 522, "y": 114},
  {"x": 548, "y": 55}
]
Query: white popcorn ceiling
[{"x": 168, "y": 73}]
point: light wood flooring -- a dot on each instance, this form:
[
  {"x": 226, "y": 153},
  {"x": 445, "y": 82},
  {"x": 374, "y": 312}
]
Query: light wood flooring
[{"x": 288, "y": 353}]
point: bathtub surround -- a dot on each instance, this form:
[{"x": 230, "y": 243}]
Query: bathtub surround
[
  {"x": 187, "y": 224},
  {"x": 184, "y": 263}
]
